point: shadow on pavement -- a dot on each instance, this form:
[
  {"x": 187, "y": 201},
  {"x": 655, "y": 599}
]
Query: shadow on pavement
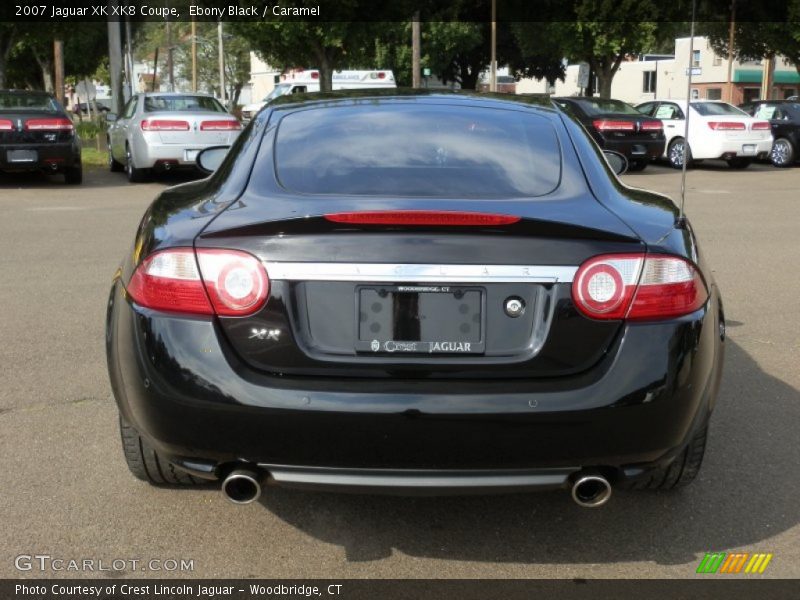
[
  {"x": 745, "y": 494},
  {"x": 93, "y": 177}
]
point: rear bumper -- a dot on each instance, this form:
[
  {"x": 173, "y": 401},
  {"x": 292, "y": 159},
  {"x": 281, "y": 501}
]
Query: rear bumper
[
  {"x": 635, "y": 150},
  {"x": 197, "y": 403},
  {"x": 725, "y": 148},
  {"x": 50, "y": 157}
]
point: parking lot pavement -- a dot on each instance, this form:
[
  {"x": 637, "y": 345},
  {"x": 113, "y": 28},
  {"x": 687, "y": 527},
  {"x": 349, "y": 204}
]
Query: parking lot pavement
[{"x": 66, "y": 491}]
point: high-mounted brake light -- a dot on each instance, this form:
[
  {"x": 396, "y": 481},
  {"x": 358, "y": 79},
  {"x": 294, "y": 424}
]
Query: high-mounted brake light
[
  {"x": 612, "y": 125},
  {"x": 652, "y": 126},
  {"x": 760, "y": 126},
  {"x": 6, "y": 125},
  {"x": 164, "y": 125},
  {"x": 223, "y": 125},
  {"x": 637, "y": 287},
  {"x": 210, "y": 281},
  {"x": 726, "y": 125},
  {"x": 57, "y": 124},
  {"x": 421, "y": 217}
]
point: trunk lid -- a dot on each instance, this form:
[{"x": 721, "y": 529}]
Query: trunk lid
[
  {"x": 13, "y": 128},
  {"x": 422, "y": 302}
]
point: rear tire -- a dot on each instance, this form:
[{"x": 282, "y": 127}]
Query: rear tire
[
  {"x": 782, "y": 153},
  {"x": 135, "y": 175},
  {"x": 681, "y": 471},
  {"x": 147, "y": 464},
  {"x": 637, "y": 165},
  {"x": 675, "y": 154},
  {"x": 74, "y": 175},
  {"x": 739, "y": 162}
]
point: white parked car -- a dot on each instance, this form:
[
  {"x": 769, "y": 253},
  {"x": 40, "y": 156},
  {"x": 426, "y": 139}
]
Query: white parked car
[
  {"x": 716, "y": 130},
  {"x": 160, "y": 131},
  {"x": 302, "y": 82}
]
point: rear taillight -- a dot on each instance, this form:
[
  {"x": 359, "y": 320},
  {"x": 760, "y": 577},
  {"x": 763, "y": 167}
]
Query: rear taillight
[
  {"x": 210, "y": 281},
  {"x": 164, "y": 125},
  {"x": 726, "y": 125},
  {"x": 57, "y": 124},
  {"x": 6, "y": 125},
  {"x": 421, "y": 218},
  {"x": 652, "y": 126},
  {"x": 225, "y": 125},
  {"x": 612, "y": 125},
  {"x": 760, "y": 126},
  {"x": 637, "y": 287}
]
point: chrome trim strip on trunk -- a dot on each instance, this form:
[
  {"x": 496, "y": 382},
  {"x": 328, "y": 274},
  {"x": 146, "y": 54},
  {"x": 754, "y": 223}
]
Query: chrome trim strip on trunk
[{"x": 419, "y": 273}]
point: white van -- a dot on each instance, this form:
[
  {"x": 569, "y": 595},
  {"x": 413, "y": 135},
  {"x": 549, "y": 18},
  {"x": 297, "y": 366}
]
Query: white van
[{"x": 301, "y": 82}]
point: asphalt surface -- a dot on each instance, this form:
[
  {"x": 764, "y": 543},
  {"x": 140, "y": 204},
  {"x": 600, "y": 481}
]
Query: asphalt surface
[{"x": 66, "y": 491}]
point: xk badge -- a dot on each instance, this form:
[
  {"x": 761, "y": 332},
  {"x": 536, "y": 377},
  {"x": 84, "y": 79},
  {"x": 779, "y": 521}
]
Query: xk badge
[{"x": 265, "y": 334}]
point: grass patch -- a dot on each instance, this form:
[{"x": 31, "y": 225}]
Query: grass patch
[{"x": 92, "y": 157}]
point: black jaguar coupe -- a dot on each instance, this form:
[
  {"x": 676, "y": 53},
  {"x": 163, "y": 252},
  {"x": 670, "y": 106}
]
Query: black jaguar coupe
[{"x": 414, "y": 293}]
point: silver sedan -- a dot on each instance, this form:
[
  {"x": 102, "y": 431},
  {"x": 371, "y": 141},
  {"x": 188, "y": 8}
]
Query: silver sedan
[{"x": 160, "y": 131}]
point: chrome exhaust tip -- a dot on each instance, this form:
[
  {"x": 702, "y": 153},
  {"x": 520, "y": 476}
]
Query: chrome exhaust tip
[
  {"x": 591, "y": 490},
  {"x": 242, "y": 486}
]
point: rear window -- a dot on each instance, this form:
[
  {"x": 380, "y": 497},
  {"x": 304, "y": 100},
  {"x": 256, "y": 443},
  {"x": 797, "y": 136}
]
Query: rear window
[
  {"x": 719, "y": 109},
  {"x": 16, "y": 102},
  {"x": 181, "y": 104},
  {"x": 598, "y": 106},
  {"x": 426, "y": 151}
]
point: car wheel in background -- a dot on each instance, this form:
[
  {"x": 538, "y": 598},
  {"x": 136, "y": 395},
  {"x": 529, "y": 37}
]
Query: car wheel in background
[
  {"x": 146, "y": 464},
  {"x": 675, "y": 153},
  {"x": 782, "y": 154},
  {"x": 113, "y": 165},
  {"x": 638, "y": 165},
  {"x": 135, "y": 175},
  {"x": 74, "y": 175},
  {"x": 739, "y": 162}
]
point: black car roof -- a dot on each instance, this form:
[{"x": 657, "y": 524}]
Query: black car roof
[
  {"x": 540, "y": 101},
  {"x": 24, "y": 92}
]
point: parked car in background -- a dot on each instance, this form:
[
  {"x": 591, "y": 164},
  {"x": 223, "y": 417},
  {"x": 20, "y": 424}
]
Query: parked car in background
[
  {"x": 82, "y": 108},
  {"x": 784, "y": 118},
  {"x": 414, "y": 293},
  {"x": 37, "y": 134},
  {"x": 161, "y": 131},
  {"x": 617, "y": 126},
  {"x": 717, "y": 130},
  {"x": 302, "y": 82}
]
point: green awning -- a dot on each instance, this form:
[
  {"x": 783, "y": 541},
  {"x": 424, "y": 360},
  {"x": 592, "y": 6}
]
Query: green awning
[{"x": 754, "y": 76}]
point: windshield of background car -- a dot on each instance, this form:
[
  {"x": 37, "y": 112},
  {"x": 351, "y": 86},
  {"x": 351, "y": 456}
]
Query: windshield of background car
[
  {"x": 718, "y": 109},
  {"x": 279, "y": 90},
  {"x": 17, "y": 102},
  {"x": 423, "y": 151},
  {"x": 598, "y": 106},
  {"x": 182, "y": 104}
]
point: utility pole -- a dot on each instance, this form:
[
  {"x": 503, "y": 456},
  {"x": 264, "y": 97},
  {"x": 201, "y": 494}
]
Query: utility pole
[
  {"x": 731, "y": 38},
  {"x": 128, "y": 60},
  {"x": 222, "y": 94},
  {"x": 493, "y": 80},
  {"x": 115, "y": 61},
  {"x": 416, "y": 79},
  {"x": 194, "y": 55},
  {"x": 58, "y": 59},
  {"x": 170, "y": 67}
]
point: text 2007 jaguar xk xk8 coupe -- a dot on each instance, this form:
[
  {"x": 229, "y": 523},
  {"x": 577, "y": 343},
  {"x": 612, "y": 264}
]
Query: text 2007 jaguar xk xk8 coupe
[{"x": 414, "y": 293}]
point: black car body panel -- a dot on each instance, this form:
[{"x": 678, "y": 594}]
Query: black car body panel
[
  {"x": 785, "y": 121},
  {"x": 635, "y": 145},
  {"x": 40, "y": 150},
  {"x": 567, "y": 393}
]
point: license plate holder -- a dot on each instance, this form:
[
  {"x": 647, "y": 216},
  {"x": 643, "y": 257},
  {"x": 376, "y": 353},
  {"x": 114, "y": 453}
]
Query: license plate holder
[
  {"x": 749, "y": 149},
  {"x": 420, "y": 319},
  {"x": 22, "y": 156}
]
